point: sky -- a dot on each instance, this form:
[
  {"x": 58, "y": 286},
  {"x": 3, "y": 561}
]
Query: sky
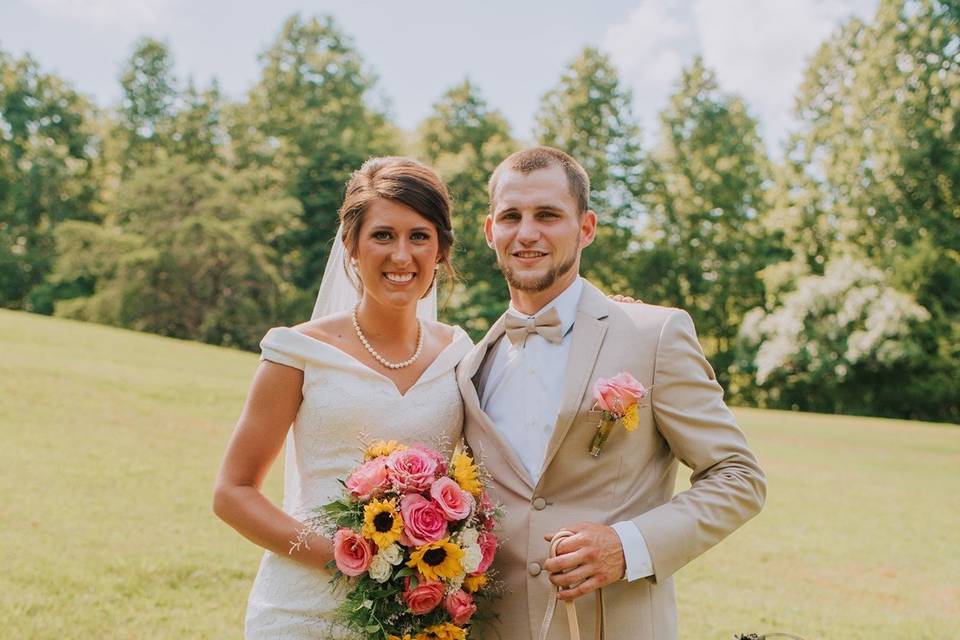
[{"x": 514, "y": 51}]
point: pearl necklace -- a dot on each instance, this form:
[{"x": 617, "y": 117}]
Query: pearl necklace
[{"x": 379, "y": 358}]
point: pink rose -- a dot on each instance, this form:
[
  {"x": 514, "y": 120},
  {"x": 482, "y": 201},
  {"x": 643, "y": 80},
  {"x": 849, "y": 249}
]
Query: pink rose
[
  {"x": 369, "y": 479},
  {"x": 455, "y": 502},
  {"x": 352, "y": 552},
  {"x": 619, "y": 392},
  {"x": 488, "y": 545},
  {"x": 412, "y": 469},
  {"x": 423, "y": 520},
  {"x": 439, "y": 459},
  {"x": 460, "y": 606},
  {"x": 425, "y": 597}
]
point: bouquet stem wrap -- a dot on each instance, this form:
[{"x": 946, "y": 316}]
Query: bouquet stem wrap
[{"x": 603, "y": 432}]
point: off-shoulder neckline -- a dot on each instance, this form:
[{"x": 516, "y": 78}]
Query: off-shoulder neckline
[{"x": 460, "y": 337}]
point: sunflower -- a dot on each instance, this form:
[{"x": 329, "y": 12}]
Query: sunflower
[
  {"x": 472, "y": 584},
  {"x": 444, "y": 631},
  {"x": 437, "y": 560},
  {"x": 379, "y": 448},
  {"x": 406, "y": 636},
  {"x": 382, "y": 522},
  {"x": 464, "y": 471},
  {"x": 631, "y": 417}
]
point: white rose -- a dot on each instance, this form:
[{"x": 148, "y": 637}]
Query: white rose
[
  {"x": 472, "y": 557},
  {"x": 392, "y": 554},
  {"x": 380, "y": 569},
  {"x": 469, "y": 536}
]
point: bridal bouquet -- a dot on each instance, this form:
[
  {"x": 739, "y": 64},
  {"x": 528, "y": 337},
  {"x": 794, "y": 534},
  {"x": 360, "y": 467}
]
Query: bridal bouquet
[{"x": 413, "y": 537}]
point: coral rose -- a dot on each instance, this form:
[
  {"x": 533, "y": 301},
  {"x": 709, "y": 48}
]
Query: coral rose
[
  {"x": 352, "y": 552},
  {"x": 425, "y": 597}
]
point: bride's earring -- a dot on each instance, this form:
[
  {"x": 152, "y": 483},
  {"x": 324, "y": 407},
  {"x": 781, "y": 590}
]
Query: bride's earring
[
  {"x": 433, "y": 283},
  {"x": 355, "y": 276}
]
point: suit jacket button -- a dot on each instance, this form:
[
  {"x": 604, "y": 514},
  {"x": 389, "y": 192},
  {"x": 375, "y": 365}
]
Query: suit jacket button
[
  {"x": 539, "y": 504},
  {"x": 534, "y": 568}
]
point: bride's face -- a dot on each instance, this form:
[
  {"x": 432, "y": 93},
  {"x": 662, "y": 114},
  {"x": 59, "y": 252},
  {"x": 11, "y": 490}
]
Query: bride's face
[{"x": 397, "y": 252}]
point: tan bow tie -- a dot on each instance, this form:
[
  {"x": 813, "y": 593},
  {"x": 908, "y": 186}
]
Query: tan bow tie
[{"x": 546, "y": 324}]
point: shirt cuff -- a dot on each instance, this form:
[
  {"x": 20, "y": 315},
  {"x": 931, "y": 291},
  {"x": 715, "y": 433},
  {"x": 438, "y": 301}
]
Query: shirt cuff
[{"x": 635, "y": 552}]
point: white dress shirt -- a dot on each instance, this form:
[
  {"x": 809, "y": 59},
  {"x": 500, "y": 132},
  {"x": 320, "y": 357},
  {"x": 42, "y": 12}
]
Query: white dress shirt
[{"x": 522, "y": 396}]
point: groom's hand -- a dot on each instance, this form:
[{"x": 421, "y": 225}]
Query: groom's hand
[{"x": 586, "y": 561}]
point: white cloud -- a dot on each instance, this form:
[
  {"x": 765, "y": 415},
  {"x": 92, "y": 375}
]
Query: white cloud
[
  {"x": 757, "y": 49},
  {"x": 650, "y": 49},
  {"x": 760, "y": 49},
  {"x": 126, "y": 14}
]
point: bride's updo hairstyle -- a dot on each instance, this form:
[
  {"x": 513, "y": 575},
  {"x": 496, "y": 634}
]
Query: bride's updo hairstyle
[{"x": 401, "y": 180}]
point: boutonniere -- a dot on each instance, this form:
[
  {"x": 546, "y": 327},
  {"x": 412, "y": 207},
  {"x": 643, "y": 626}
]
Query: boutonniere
[{"x": 619, "y": 399}]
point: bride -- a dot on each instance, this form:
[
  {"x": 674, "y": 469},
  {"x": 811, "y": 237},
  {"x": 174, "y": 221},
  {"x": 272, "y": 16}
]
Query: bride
[{"x": 374, "y": 362}]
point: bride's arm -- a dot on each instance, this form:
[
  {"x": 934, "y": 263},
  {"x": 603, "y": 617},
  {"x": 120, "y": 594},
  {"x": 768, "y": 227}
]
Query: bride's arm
[{"x": 271, "y": 407}]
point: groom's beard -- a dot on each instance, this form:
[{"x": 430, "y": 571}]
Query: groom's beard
[{"x": 534, "y": 285}]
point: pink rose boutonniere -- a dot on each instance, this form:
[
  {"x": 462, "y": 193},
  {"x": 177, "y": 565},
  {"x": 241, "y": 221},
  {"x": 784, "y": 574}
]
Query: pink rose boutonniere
[{"x": 619, "y": 399}]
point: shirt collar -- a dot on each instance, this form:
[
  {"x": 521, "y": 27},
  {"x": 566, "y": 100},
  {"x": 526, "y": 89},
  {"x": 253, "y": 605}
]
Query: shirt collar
[{"x": 566, "y": 305}]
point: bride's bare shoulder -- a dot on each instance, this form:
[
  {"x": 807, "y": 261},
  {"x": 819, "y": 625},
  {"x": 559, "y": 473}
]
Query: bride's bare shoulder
[
  {"x": 328, "y": 328},
  {"x": 442, "y": 333}
]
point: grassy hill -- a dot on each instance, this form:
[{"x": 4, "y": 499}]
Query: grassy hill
[{"x": 110, "y": 441}]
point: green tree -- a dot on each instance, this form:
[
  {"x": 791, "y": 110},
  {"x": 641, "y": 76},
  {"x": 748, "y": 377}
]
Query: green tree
[
  {"x": 880, "y": 106},
  {"x": 48, "y": 175},
  {"x": 197, "y": 131},
  {"x": 589, "y": 115},
  {"x": 187, "y": 253},
  {"x": 312, "y": 114},
  {"x": 464, "y": 140},
  {"x": 148, "y": 106},
  {"x": 706, "y": 185},
  {"x": 874, "y": 169}
]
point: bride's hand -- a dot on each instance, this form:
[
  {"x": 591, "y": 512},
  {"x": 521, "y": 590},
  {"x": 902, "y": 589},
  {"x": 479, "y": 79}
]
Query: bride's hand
[{"x": 616, "y": 297}]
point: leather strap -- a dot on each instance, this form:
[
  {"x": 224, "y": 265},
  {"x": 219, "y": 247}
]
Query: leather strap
[{"x": 569, "y": 606}]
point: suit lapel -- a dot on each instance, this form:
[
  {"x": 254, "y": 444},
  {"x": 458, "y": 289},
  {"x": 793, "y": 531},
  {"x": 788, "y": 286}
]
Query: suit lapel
[
  {"x": 586, "y": 340},
  {"x": 472, "y": 363},
  {"x": 471, "y": 400}
]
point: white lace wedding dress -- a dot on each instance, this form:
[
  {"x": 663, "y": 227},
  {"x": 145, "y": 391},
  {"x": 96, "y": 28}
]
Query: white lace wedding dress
[{"x": 342, "y": 400}]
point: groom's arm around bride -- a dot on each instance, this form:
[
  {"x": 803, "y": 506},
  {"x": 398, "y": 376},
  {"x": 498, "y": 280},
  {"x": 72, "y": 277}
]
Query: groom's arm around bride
[{"x": 530, "y": 412}]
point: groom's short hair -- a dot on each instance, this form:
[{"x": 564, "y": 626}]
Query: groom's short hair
[{"x": 529, "y": 160}]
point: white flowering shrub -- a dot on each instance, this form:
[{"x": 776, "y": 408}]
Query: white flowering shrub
[{"x": 830, "y": 337}]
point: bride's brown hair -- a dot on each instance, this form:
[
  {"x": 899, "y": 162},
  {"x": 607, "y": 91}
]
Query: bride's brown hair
[{"x": 402, "y": 180}]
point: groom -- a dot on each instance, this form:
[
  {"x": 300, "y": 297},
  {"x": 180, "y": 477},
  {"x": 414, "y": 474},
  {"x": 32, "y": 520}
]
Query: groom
[{"x": 530, "y": 416}]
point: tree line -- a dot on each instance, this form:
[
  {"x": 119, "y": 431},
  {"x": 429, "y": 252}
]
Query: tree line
[{"x": 828, "y": 280}]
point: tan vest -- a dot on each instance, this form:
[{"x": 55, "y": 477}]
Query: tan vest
[{"x": 633, "y": 478}]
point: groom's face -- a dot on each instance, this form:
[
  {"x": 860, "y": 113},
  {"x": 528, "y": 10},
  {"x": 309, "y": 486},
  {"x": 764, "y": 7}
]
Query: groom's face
[{"x": 537, "y": 231}]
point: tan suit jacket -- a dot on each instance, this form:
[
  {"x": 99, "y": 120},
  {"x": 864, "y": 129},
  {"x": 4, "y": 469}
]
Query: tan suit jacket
[{"x": 685, "y": 419}]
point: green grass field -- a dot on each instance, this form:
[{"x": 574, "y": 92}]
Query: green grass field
[{"x": 111, "y": 439}]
